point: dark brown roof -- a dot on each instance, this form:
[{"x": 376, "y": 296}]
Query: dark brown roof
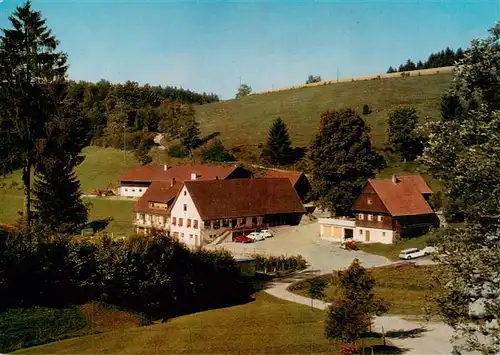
[
  {"x": 294, "y": 176},
  {"x": 244, "y": 197},
  {"x": 403, "y": 198},
  {"x": 158, "y": 191},
  {"x": 147, "y": 173}
]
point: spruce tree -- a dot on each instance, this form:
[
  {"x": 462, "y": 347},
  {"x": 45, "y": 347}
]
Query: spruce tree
[
  {"x": 26, "y": 79},
  {"x": 58, "y": 204},
  {"x": 190, "y": 135},
  {"x": 278, "y": 149},
  {"x": 342, "y": 160}
]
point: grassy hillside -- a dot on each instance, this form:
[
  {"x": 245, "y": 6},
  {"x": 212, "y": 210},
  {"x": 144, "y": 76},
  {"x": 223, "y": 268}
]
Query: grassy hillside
[
  {"x": 101, "y": 167},
  {"x": 264, "y": 326},
  {"x": 246, "y": 121}
]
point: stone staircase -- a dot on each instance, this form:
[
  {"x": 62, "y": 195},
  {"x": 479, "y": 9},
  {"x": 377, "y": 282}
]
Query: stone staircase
[{"x": 221, "y": 238}]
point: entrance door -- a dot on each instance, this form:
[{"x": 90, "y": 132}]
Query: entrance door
[{"x": 367, "y": 235}]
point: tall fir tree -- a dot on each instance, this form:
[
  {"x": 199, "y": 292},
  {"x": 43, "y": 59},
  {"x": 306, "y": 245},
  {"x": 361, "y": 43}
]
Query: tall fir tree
[
  {"x": 27, "y": 77},
  {"x": 278, "y": 149},
  {"x": 342, "y": 160},
  {"x": 190, "y": 135},
  {"x": 58, "y": 204}
]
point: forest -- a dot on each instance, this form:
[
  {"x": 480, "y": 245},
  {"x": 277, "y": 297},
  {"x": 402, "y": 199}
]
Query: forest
[{"x": 444, "y": 58}]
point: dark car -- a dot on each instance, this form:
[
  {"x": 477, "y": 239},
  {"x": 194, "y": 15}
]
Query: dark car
[{"x": 242, "y": 239}]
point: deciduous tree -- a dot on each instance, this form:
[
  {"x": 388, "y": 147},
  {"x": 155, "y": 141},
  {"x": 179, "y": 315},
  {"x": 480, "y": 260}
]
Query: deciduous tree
[
  {"x": 402, "y": 133},
  {"x": 463, "y": 153},
  {"x": 243, "y": 90},
  {"x": 313, "y": 79},
  {"x": 342, "y": 160}
]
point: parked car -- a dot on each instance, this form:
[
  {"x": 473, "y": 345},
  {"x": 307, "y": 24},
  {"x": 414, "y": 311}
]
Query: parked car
[
  {"x": 411, "y": 253},
  {"x": 242, "y": 239},
  {"x": 256, "y": 236},
  {"x": 267, "y": 233}
]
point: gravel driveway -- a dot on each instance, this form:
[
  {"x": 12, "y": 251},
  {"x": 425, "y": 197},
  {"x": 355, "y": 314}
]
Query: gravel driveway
[{"x": 323, "y": 256}]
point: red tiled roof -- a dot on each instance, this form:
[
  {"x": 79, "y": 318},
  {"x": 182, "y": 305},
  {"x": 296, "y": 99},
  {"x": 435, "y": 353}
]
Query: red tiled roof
[
  {"x": 158, "y": 191},
  {"x": 294, "y": 176},
  {"x": 418, "y": 181},
  {"x": 403, "y": 198},
  {"x": 148, "y": 173},
  {"x": 244, "y": 197}
]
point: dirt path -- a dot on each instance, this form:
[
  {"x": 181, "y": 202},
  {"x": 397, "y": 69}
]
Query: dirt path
[{"x": 413, "y": 337}]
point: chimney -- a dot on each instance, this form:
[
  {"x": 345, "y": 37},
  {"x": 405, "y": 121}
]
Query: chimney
[
  {"x": 194, "y": 176},
  {"x": 395, "y": 179},
  {"x": 165, "y": 167},
  {"x": 172, "y": 182}
]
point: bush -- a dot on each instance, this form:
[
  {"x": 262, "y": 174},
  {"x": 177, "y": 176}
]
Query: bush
[
  {"x": 216, "y": 152},
  {"x": 178, "y": 151},
  {"x": 268, "y": 264},
  {"x": 138, "y": 274},
  {"x": 366, "y": 110}
]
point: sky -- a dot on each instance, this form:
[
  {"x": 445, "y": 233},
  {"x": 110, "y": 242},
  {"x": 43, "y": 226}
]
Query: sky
[{"x": 209, "y": 46}]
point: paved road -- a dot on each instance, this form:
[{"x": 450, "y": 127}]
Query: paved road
[
  {"x": 322, "y": 255},
  {"x": 414, "y": 337}
]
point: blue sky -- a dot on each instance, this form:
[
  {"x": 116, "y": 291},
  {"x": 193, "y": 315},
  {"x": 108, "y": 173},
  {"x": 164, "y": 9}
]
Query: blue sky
[{"x": 208, "y": 45}]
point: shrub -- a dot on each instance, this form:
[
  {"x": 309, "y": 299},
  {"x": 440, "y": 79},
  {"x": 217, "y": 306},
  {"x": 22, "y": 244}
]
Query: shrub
[
  {"x": 139, "y": 274},
  {"x": 366, "y": 110},
  {"x": 282, "y": 263},
  {"x": 178, "y": 151},
  {"x": 216, "y": 152}
]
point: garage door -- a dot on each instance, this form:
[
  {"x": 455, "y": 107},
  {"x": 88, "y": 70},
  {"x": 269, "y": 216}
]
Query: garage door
[{"x": 337, "y": 232}]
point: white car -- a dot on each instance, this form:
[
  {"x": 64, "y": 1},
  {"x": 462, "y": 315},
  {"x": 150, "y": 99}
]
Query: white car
[
  {"x": 256, "y": 236},
  {"x": 411, "y": 253},
  {"x": 267, "y": 233},
  {"x": 430, "y": 250}
]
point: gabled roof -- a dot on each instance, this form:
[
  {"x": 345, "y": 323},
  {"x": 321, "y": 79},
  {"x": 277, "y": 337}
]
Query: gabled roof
[
  {"x": 403, "y": 198},
  {"x": 294, "y": 176},
  {"x": 158, "y": 191},
  {"x": 148, "y": 173},
  {"x": 243, "y": 197},
  {"x": 418, "y": 181}
]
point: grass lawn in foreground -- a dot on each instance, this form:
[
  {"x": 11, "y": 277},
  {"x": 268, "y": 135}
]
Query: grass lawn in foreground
[
  {"x": 25, "y": 327},
  {"x": 406, "y": 288},
  {"x": 265, "y": 326},
  {"x": 391, "y": 251}
]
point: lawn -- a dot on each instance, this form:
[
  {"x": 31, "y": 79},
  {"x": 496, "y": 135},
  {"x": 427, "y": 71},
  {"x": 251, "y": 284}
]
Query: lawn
[
  {"x": 101, "y": 167},
  {"x": 391, "y": 251},
  {"x": 25, "y": 327},
  {"x": 265, "y": 326},
  {"x": 246, "y": 121},
  {"x": 407, "y": 288}
]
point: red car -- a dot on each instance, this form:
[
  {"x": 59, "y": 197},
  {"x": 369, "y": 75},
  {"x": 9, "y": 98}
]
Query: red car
[{"x": 242, "y": 239}]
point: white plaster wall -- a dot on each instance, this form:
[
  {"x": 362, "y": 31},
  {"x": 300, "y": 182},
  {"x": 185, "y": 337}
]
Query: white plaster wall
[
  {"x": 191, "y": 213},
  {"x": 132, "y": 191},
  {"x": 376, "y": 235}
]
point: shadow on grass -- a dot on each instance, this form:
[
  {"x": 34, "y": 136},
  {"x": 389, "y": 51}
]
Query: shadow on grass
[{"x": 99, "y": 224}]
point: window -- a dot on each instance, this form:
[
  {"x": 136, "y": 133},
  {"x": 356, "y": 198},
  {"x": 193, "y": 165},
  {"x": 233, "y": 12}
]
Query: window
[
  {"x": 383, "y": 234},
  {"x": 360, "y": 232},
  {"x": 188, "y": 224},
  {"x": 140, "y": 190},
  {"x": 195, "y": 224},
  {"x": 190, "y": 236},
  {"x": 370, "y": 201},
  {"x": 126, "y": 190},
  {"x": 180, "y": 222},
  {"x": 133, "y": 190},
  {"x": 225, "y": 223},
  {"x": 380, "y": 218},
  {"x": 185, "y": 193},
  {"x": 185, "y": 207},
  {"x": 361, "y": 216},
  {"x": 254, "y": 220},
  {"x": 174, "y": 221},
  {"x": 370, "y": 217},
  {"x": 216, "y": 224},
  {"x": 182, "y": 235}
]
